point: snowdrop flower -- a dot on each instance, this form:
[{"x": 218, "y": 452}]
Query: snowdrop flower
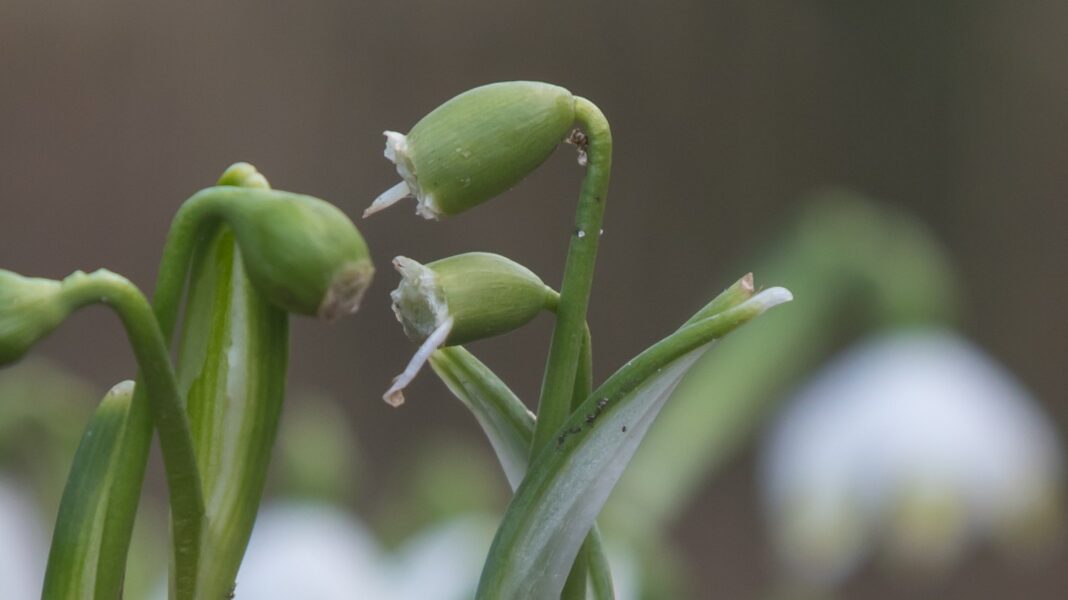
[
  {"x": 314, "y": 551},
  {"x": 318, "y": 552},
  {"x": 912, "y": 445}
]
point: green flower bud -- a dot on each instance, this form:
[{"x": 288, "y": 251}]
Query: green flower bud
[
  {"x": 462, "y": 299},
  {"x": 30, "y": 308},
  {"x": 302, "y": 253},
  {"x": 477, "y": 145},
  {"x": 485, "y": 295}
]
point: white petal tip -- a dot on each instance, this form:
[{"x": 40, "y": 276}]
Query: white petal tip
[
  {"x": 394, "y": 396},
  {"x": 388, "y": 198}
]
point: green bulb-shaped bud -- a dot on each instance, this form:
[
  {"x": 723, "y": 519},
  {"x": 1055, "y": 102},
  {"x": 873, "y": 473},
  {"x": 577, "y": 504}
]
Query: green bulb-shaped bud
[
  {"x": 302, "y": 253},
  {"x": 477, "y": 145},
  {"x": 484, "y": 294},
  {"x": 462, "y": 299},
  {"x": 30, "y": 309}
]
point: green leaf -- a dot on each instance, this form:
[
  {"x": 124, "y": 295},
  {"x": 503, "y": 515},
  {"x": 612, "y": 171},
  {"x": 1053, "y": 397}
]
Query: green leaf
[
  {"x": 509, "y": 425},
  {"x": 503, "y": 417},
  {"x": 232, "y": 370},
  {"x": 96, "y": 514},
  {"x": 571, "y": 478}
]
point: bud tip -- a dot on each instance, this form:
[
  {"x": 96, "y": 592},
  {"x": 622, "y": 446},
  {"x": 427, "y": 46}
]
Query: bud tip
[
  {"x": 747, "y": 283},
  {"x": 346, "y": 290},
  {"x": 394, "y": 396}
]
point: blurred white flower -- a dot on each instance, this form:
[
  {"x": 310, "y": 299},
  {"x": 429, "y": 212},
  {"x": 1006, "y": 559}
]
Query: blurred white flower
[
  {"x": 22, "y": 545},
  {"x": 314, "y": 551},
  {"x": 317, "y": 552},
  {"x": 911, "y": 445}
]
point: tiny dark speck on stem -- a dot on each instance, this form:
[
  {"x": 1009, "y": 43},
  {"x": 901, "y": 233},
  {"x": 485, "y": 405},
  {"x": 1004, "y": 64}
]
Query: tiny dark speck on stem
[{"x": 624, "y": 429}]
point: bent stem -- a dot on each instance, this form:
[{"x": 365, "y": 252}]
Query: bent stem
[
  {"x": 164, "y": 404},
  {"x": 557, "y": 390},
  {"x": 567, "y": 379}
]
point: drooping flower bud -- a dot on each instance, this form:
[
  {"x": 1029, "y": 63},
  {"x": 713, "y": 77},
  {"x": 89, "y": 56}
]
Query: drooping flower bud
[
  {"x": 30, "y": 308},
  {"x": 477, "y": 145},
  {"x": 462, "y": 299},
  {"x": 302, "y": 253}
]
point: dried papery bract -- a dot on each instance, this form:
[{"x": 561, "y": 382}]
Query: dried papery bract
[
  {"x": 476, "y": 146},
  {"x": 462, "y": 299}
]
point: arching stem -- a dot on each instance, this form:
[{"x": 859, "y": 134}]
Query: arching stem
[
  {"x": 157, "y": 381},
  {"x": 557, "y": 390}
]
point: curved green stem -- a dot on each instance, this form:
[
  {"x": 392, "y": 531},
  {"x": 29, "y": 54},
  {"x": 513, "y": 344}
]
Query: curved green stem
[
  {"x": 554, "y": 406},
  {"x": 164, "y": 404},
  {"x": 569, "y": 370}
]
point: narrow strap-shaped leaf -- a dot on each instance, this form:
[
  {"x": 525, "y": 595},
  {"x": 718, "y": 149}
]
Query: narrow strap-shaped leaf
[
  {"x": 509, "y": 425},
  {"x": 231, "y": 368},
  {"x": 570, "y": 480},
  {"x": 96, "y": 504}
]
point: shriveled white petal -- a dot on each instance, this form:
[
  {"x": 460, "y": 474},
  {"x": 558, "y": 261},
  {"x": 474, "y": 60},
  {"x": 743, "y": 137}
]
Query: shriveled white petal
[
  {"x": 398, "y": 152},
  {"x": 396, "y": 143},
  {"x": 394, "y": 396},
  {"x": 388, "y": 198}
]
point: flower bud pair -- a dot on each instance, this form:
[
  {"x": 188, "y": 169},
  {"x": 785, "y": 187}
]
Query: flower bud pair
[
  {"x": 477, "y": 145},
  {"x": 462, "y": 299}
]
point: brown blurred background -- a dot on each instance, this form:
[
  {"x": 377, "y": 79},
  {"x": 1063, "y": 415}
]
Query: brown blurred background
[{"x": 724, "y": 114}]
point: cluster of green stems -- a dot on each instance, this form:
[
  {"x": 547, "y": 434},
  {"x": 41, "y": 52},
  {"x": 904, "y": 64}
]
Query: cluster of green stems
[{"x": 240, "y": 251}]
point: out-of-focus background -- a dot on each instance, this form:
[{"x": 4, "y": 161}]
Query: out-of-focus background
[{"x": 726, "y": 115}]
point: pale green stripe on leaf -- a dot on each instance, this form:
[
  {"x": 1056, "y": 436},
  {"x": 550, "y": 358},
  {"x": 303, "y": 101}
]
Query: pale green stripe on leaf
[{"x": 232, "y": 363}]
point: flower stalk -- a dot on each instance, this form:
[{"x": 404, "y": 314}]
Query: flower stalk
[
  {"x": 557, "y": 390},
  {"x": 157, "y": 379}
]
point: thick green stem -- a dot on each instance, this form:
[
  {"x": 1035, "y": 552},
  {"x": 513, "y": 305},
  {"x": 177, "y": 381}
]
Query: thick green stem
[
  {"x": 568, "y": 378},
  {"x": 554, "y": 406},
  {"x": 164, "y": 403}
]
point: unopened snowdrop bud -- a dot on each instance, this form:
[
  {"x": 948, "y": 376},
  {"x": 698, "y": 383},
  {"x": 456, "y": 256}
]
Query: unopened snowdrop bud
[
  {"x": 302, "y": 253},
  {"x": 476, "y": 146},
  {"x": 30, "y": 308},
  {"x": 462, "y": 299}
]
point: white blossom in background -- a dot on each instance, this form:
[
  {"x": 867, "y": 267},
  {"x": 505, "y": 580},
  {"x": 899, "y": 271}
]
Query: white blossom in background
[
  {"x": 318, "y": 552},
  {"x": 23, "y": 545},
  {"x": 314, "y": 551},
  {"x": 910, "y": 446}
]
